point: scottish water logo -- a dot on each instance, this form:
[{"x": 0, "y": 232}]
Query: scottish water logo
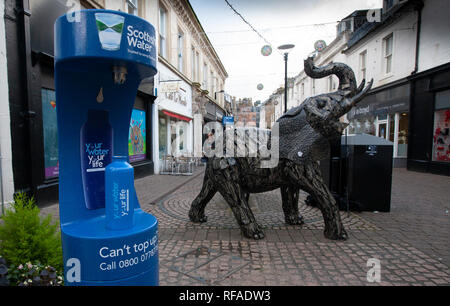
[
  {"x": 109, "y": 28},
  {"x": 140, "y": 39}
]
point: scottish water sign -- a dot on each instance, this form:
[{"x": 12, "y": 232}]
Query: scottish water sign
[{"x": 100, "y": 59}]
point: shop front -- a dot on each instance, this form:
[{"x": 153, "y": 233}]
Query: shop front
[
  {"x": 213, "y": 113},
  {"x": 384, "y": 113},
  {"x": 429, "y": 134},
  {"x": 175, "y": 127}
]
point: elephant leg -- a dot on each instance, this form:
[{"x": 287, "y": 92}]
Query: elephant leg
[
  {"x": 237, "y": 200},
  {"x": 197, "y": 210},
  {"x": 289, "y": 196},
  {"x": 314, "y": 185}
]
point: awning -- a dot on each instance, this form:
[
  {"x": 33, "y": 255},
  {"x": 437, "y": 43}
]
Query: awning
[{"x": 176, "y": 116}]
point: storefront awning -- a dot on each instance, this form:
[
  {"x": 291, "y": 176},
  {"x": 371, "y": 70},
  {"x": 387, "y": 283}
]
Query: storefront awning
[{"x": 170, "y": 114}]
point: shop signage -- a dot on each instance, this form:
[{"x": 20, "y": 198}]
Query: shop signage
[
  {"x": 169, "y": 87},
  {"x": 228, "y": 120}
]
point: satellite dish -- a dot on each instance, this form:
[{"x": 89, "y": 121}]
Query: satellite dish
[{"x": 260, "y": 86}]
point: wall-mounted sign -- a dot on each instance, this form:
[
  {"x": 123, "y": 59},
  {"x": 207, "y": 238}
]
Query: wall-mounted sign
[
  {"x": 171, "y": 86},
  {"x": 228, "y": 120}
]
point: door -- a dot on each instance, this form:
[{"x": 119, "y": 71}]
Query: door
[{"x": 382, "y": 126}]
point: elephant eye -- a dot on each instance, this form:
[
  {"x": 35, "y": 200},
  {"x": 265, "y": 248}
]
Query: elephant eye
[{"x": 321, "y": 103}]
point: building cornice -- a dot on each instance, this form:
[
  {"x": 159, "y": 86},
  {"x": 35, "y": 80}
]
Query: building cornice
[
  {"x": 186, "y": 13},
  {"x": 174, "y": 69}
]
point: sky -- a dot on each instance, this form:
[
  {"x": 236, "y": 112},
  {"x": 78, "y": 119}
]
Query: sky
[{"x": 298, "y": 22}]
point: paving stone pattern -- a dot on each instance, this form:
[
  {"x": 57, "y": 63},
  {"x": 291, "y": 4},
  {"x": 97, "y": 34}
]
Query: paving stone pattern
[{"x": 411, "y": 242}]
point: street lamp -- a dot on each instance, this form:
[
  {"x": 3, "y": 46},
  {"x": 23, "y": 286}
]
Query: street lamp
[
  {"x": 286, "y": 48},
  {"x": 215, "y": 94}
]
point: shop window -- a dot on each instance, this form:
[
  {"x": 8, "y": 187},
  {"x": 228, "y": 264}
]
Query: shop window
[
  {"x": 162, "y": 135},
  {"x": 181, "y": 140},
  {"x": 441, "y": 137},
  {"x": 402, "y": 149},
  {"x": 363, "y": 125},
  {"x": 382, "y": 130},
  {"x": 391, "y": 127},
  {"x": 50, "y": 131},
  {"x": 137, "y": 140},
  {"x": 173, "y": 137}
]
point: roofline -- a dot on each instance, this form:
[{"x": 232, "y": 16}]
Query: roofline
[
  {"x": 387, "y": 19},
  {"x": 207, "y": 38}
]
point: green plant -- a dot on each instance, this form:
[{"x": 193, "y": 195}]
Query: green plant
[
  {"x": 25, "y": 236},
  {"x": 33, "y": 275}
]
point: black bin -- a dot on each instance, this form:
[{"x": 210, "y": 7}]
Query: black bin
[{"x": 360, "y": 173}]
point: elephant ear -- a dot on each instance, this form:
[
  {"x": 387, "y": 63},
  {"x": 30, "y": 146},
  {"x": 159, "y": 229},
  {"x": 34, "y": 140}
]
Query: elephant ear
[
  {"x": 298, "y": 141},
  {"x": 292, "y": 112}
]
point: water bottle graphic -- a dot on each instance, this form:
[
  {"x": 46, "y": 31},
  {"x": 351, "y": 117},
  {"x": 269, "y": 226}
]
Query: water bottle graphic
[
  {"x": 119, "y": 181},
  {"x": 110, "y": 27},
  {"x": 96, "y": 153}
]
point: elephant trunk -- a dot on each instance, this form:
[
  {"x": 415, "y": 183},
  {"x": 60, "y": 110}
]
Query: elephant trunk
[{"x": 347, "y": 80}]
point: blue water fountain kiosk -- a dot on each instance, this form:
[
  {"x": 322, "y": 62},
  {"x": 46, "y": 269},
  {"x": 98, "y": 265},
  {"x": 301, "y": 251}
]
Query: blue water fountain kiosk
[{"x": 101, "y": 56}]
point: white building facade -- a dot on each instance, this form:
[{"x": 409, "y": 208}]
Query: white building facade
[
  {"x": 386, "y": 52},
  {"x": 6, "y": 173}
]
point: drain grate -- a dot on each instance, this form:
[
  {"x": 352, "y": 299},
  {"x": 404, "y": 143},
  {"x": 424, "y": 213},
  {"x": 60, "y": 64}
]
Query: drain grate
[{"x": 206, "y": 265}]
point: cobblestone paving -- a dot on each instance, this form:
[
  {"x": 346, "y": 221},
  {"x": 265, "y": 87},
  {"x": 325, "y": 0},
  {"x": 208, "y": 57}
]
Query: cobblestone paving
[{"x": 411, "y": 242}]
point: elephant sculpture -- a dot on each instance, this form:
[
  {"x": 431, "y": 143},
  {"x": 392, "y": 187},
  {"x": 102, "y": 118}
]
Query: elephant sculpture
[{"x": 305, "y": 133}]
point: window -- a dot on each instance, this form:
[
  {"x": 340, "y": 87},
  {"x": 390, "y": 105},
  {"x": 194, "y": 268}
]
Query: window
[
  {"x": 213, "y": 85},
  {"x": 197, "y": 66},
  {"x": 162, "y": 135},
  {"x": 388, "y": 43},
  {"x": 180, "y": 48},
  {"x": 193, "y": 65},
  {"x": 441, "y": 132},
  {"x": 205, "y": 77},
  {"x": 362, "y": 64},
  {"x": 344, "y": 25},
  {"x": 163, "y": 32},
  {"x": 388, "y": 4},
  {"x": 132, "y": 7},
  {"x": 402, "y": 148},
  {"x": 303, "y": 90},
  {"x": 330, "y": 83}
]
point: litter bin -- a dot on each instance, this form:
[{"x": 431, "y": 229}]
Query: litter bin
[{"x": 361, "y": 175}]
